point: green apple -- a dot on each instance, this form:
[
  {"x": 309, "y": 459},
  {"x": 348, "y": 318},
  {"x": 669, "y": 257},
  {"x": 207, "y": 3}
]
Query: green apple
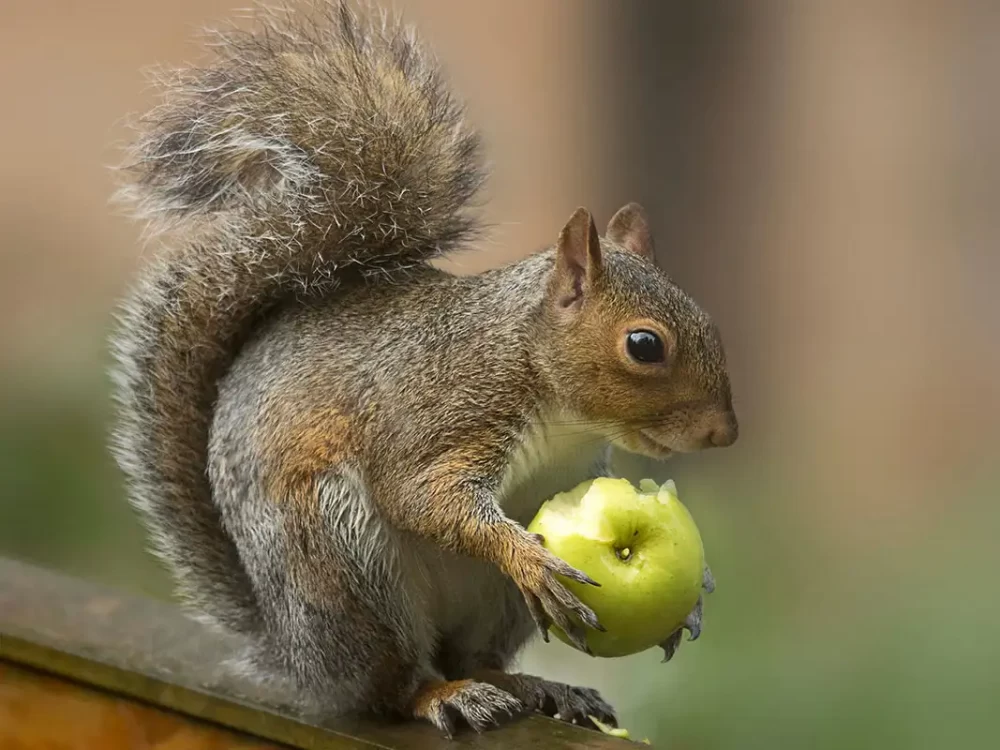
[{"x": 641, "y": 545}]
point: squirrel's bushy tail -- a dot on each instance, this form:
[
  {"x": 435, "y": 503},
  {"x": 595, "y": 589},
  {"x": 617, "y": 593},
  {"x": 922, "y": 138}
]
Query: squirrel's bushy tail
[{"x": 308, "y": 145}]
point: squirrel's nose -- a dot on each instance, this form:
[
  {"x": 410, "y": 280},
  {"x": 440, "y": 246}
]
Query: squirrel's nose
[{"x": 725, "y": 430}]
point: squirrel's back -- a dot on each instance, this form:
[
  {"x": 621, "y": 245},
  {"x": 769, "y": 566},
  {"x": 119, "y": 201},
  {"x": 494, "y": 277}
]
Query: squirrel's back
[{"x": 307, "y": 146}]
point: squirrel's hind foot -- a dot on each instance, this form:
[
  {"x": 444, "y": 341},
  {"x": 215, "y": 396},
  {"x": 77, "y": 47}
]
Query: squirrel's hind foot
[
  {"x": 565, "y": 702},
  {"x": 480, "y": 704}
]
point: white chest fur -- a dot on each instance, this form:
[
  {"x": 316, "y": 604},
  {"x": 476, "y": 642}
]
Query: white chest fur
[{"x": 557, "y": 453}]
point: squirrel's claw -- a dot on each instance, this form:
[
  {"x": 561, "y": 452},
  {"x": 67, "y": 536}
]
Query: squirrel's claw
[
  {"x": 574, "y": 632},
  {"x": 541, "y": 619},
  {"x": 671, "y": 645},
  {"x": 693, "y": 621},
  {"x": 549, "y": 601},
  {"x": 708, "y": 581}
]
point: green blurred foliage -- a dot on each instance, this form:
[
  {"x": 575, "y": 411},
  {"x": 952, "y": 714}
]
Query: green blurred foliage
[{"x": 61, "y": 496}]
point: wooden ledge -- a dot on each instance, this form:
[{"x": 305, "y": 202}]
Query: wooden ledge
[{"x": 148, "y": 651}]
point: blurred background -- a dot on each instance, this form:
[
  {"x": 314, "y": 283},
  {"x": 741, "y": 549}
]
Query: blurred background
[{"x": 822, "y": 177}]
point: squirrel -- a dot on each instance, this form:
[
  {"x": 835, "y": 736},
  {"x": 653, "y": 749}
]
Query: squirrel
[{"x": 335, "y": 445}]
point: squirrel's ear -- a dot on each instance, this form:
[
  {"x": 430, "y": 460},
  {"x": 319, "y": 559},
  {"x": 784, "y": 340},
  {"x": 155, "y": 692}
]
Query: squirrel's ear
[
  {"x": 578, "y": 259},
  {"x": 630, "y": 229}
]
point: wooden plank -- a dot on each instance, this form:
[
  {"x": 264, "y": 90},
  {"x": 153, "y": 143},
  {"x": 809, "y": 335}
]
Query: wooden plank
[
  {"x": 41, "y": 711},
  {"x": 148, "y": 650}
]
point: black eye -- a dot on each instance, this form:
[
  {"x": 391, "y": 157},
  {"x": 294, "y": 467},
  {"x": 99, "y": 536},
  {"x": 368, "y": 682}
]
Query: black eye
[{"x": 645, "y": 346}]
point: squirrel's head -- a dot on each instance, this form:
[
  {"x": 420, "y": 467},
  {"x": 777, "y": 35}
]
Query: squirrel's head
[{"x": 627, "y": 348}]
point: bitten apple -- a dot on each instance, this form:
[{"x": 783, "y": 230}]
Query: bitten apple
[{"x": 643, "y": 547}]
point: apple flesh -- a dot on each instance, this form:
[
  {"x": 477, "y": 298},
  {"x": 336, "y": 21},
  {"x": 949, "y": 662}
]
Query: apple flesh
[{"x": 641, "y": 545}]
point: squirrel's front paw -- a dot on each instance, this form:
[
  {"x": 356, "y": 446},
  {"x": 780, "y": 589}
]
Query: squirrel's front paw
[
  {"x": 480, "y": 704},
  {"x": 692, "y": 622},
  {"x": 534, "y": 570}
]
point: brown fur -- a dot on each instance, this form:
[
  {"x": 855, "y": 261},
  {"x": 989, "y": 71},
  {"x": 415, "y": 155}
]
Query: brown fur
[{"x": 306, "y": 441}]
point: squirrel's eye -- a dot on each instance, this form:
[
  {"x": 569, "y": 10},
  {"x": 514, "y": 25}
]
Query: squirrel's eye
[{"x": 645, "y": 347}]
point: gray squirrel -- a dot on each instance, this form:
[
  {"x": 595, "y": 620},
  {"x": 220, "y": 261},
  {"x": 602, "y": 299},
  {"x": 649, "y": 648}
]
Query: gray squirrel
[{"x": 335, "y": 446}]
